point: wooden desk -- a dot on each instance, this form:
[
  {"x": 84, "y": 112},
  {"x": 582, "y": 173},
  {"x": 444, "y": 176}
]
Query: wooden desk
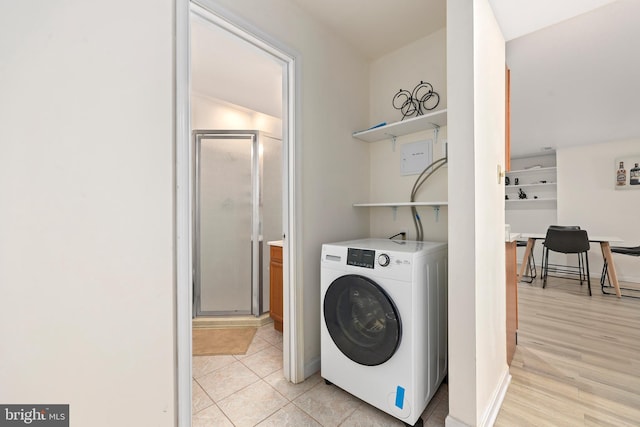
[{"x": 605, "y": 247}]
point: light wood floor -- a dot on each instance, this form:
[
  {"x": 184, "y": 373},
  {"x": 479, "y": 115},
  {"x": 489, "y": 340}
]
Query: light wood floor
[{"x": 577, "y": 362}]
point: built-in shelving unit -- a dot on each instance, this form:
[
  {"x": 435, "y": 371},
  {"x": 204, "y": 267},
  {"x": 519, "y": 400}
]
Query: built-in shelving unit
[
  {"x": 404, "y": 127},
  {"x": 537, "y": 176},
  {"x": 538, "y": 183},
  {"x": 394, "y": 130}
]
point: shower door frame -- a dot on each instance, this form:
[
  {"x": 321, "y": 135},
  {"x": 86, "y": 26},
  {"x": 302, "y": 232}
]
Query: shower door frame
[{"x": 256, "y": 217}]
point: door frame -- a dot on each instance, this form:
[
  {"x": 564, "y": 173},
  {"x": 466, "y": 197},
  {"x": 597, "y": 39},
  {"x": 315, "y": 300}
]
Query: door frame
[{"x": 293, "y": 344}]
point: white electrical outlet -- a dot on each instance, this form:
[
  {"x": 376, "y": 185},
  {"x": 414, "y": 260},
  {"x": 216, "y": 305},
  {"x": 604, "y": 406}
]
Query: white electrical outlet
[{"x": 406, "y": 232}]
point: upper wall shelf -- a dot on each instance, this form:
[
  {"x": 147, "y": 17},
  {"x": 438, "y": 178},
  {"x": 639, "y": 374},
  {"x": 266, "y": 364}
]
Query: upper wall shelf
[
  {"x": 395, "y": 205},
  {"x": 357, "y": 205},
  {"x": 533, "y": 170},
  {"x": 405, "y": 127}
]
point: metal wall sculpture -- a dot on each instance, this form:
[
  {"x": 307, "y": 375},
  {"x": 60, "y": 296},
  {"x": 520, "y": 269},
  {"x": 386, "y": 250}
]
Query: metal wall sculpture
[{"x": 415, "y": 103}]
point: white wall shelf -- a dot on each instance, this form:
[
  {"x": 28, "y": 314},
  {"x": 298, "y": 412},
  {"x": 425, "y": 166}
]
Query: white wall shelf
[
  {"x": 404, "y": 127},
  {"x": 531, "y": 205},
  {"x": 538, "y": 184},
  {"x": 531, "y": 200},
  {"x": 531, "y": 170},
  {"x": 394, "y": 206},
  {"x": 368, "y": 205}
]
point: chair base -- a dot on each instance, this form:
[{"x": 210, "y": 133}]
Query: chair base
[
  {"x": 530, "y": 272},
  {"x": 531, "y": 266},
  {"x": 581, "y": 270},
  {"x": 621, "y": 294},
  {"x": 605, "y": 283}
]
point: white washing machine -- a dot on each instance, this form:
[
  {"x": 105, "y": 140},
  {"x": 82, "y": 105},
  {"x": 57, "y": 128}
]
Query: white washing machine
[{"x": 384, "y": 322}]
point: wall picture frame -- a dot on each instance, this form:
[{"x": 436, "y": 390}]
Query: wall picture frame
[{"x": 627, "y": 172}]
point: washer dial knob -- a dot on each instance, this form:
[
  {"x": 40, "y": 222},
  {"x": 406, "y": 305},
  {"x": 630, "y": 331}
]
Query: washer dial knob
[{"x": 384, "y": 260}]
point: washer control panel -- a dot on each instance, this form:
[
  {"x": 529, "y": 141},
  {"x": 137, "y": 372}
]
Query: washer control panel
[
  {"x": 366, "y": 258},
  {"x": 361, "y": 257}
]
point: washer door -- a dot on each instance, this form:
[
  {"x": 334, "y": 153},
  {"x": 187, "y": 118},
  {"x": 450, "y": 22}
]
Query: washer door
[{"x": 362, "y": 320}]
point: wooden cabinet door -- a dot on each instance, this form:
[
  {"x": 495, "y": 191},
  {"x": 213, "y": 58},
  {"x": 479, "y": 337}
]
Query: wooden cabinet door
[{"x": 275, "y": 282}]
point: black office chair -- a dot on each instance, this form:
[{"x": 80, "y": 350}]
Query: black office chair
[
  {"x": 568, "y": 227},
  {"x": 531, "y": 264},
  {"x": 604, "y": 277},
  {"x": 567, "y": 241}
]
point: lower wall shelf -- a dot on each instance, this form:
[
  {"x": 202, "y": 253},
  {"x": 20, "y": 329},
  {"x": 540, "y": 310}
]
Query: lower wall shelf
[{"x": 540, "y": 203}]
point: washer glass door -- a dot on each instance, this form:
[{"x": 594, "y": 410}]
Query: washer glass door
[{"x": 362, "y": 320}]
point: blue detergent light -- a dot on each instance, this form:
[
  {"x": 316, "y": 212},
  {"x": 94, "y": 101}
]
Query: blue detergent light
[{"x": 400, "y": 397}]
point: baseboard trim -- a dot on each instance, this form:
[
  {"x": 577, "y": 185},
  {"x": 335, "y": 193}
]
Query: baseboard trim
[
  {"x": 492, "y": 411},
  {"x": 231, "y": 321},
  {"x": 629, "y": 279},
  {"x": 311, "y": 367},
  {"x": 454, "y": 422},
  {"x": 596, "y": 274}
]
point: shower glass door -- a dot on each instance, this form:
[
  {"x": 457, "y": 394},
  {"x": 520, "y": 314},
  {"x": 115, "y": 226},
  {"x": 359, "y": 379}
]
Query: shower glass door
[{"x": 227, "y": 223}]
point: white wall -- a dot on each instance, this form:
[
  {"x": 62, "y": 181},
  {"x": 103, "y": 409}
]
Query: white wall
[
  {"x": 425, "y": 59},
  {"x": 86, "y": 224},
  {"x": 333, "y": 167},
  {"x": 586, "y": 196},
  {"x": 489, "y": 122},
  {"x": 210, "y": 113},
  {"x": 551, "y": 68},
  {"x": 478, "y": 373},
  {"x": 388, "y": 185}
]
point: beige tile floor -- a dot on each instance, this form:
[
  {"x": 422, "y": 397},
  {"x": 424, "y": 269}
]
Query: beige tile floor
[{"x": 250, "y": 390}]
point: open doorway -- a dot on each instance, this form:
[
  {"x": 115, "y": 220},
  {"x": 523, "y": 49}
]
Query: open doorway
[
  {"x": 209, "y": 101},
  {"x": 236, "y": 102}
]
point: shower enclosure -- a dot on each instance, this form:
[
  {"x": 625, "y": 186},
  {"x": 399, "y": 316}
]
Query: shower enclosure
[{"x": 238, "y": 208}]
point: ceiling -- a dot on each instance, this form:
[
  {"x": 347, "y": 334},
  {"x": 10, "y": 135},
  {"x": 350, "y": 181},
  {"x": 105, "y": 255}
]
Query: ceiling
[
  {"x": 576, "y": 82},
  {"x": 252, "y": 80},
  {"x": 377, "y": 27},
  {"x": 574, "y": 63}
]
